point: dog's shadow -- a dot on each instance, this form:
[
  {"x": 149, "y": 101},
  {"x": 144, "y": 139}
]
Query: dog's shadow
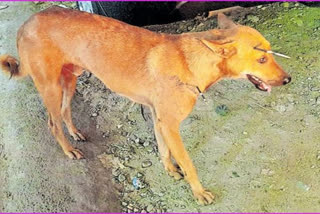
[
  {"x": 95, "y": 143},
  {"x": 99, "y": 186}
]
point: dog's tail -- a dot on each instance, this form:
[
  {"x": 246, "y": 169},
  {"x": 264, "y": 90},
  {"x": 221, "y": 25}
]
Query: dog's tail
[{"x": 10, "y": 66}]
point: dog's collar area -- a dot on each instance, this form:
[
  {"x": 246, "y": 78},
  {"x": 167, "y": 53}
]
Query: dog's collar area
[
  {"x": 201, "y": 94},
  {"x": 271, "y": 52}
]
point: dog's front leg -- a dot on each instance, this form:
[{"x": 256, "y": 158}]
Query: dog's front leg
[
  {"x": 170, "y": 133},
  {"x": 164, "y": 150}
]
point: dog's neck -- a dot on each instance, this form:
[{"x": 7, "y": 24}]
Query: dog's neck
[{"x": 205, "y": 67}]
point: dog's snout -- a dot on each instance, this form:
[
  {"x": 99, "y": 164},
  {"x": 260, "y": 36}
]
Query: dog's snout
[{"x": 286, "y": 80}]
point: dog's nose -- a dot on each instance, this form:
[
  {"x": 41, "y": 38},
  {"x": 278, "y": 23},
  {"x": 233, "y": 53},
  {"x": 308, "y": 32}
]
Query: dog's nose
[{"x": 286, "y": 80}]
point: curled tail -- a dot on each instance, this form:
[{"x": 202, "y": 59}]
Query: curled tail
[{"x": 10, "y": 65}]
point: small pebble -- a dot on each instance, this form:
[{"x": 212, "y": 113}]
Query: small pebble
[
  {"x": 149, "y": 208},
  {"x": 280, "y": 108},
  {"x": 146, "y": 164},
  {"x": 124, "y": 204},
  {"x": 121, "y": 178},
  {"x": 124, "y": 133},
  {"x": 4, "y": 6},
  {"x": 139, "y": 175},
  {"x": 94, "y": 114},
  {"x": 147, "y": 143},
  {"x": 143, "y": 195},
  {"x": 303, "y": 186},
  {"x": 116, "y": 172},
  {"x": 268, "y": 172}
]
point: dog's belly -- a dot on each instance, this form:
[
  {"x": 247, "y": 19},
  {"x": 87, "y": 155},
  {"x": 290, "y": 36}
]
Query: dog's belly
[{"x": 131, "y": 86}]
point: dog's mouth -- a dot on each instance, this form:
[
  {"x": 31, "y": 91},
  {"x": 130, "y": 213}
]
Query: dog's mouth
[{"x": 258, "y": 83}]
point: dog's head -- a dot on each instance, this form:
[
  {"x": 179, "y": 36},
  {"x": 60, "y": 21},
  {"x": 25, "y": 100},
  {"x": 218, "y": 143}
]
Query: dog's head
[{"x": 247, "y": 55}]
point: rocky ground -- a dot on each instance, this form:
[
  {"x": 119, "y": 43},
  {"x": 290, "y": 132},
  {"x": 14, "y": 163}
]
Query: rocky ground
[{"x": 257, "y": 152}]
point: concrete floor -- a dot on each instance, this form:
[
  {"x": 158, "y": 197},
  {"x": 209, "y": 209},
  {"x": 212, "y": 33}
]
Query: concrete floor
[{"x": 262, "y": 156}]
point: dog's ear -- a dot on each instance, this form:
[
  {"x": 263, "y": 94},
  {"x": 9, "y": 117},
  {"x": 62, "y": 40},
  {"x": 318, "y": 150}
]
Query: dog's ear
[
  {"x": 224, "y": 48},
  {"x": 224, "y": 22}
]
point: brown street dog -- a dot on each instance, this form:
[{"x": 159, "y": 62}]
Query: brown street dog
[{"x": 164, "y": 72}]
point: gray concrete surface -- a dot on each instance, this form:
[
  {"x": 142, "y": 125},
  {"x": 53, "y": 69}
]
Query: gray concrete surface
[{"x": 263, "y": 155}]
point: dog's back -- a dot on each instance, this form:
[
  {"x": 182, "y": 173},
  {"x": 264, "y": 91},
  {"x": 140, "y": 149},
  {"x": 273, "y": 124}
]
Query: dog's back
[{"x": 93, "y": 42}]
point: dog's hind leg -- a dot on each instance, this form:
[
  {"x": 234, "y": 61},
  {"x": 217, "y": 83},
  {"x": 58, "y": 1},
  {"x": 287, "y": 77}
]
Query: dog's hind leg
[
  {"x": 50, "y": 90},
  {"x": 68, "y": 83}
]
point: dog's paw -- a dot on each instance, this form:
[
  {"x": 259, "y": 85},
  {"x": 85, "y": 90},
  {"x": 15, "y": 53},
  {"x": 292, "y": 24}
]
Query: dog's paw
[
  {"x": 204, "y": 197},
  {"x": 75, "y": 154},
  {"x": 77, "y": 136},
  {"x": 177, "y": 175},
  {"x": 174, "y": 171}
]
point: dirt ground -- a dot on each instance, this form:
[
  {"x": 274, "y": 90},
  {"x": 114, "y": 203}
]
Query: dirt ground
[{"x": 257, "y": 152}]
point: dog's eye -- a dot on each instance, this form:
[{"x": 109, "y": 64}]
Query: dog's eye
[{"x": 262, "y": 60}]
